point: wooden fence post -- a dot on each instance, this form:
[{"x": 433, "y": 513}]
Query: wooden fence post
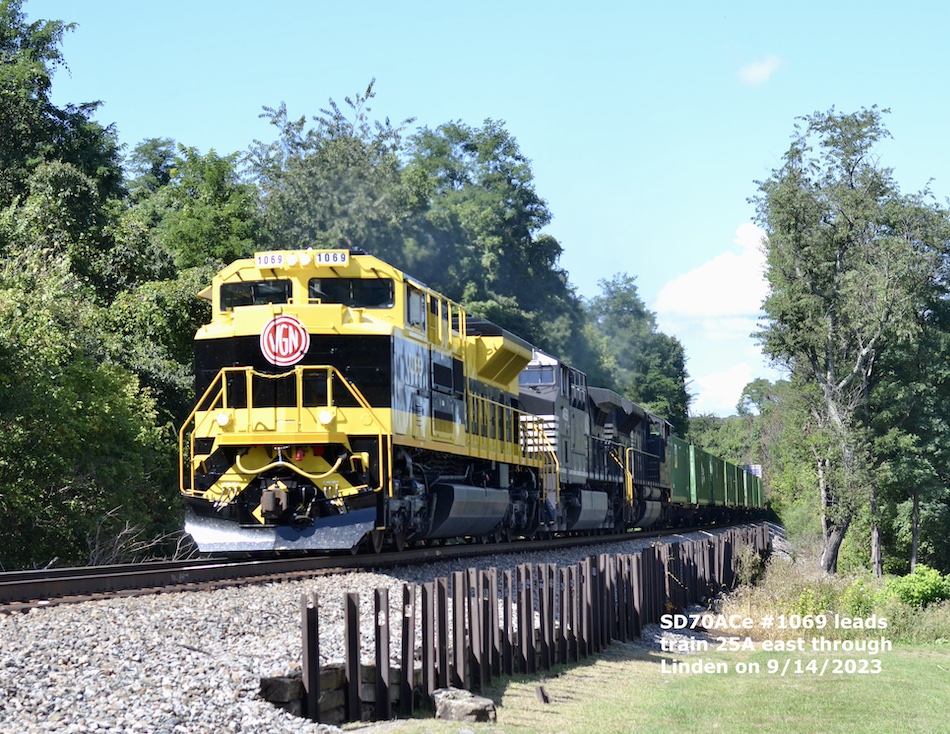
[
  {"x": 564, "y": 585},
  {"x": 406, "y": 703},
  {"x": 310, "y": 623},
  {"x": 526, "y": 654},
  {"x": 384, "y": 705},
  {"x": 496, "y": 644},
  {"x": 582, "y": 609},
  {"x": 507, "y": 635},
  {"x": 442, "y": 631},
  {"x": 428, "y": 641},
  {"x": 351, "y": 631},
  {"x": 460, "y": 646},
  {"x": 473, "y": 603}
]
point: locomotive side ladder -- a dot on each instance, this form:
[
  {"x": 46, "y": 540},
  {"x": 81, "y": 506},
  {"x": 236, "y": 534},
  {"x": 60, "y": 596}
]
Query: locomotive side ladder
[{"x": 537, "y": 432}]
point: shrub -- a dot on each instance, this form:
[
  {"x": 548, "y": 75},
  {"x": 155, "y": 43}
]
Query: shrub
[
  {"x": 858, "y": 599},
  {"x": 920, "y": 588}
]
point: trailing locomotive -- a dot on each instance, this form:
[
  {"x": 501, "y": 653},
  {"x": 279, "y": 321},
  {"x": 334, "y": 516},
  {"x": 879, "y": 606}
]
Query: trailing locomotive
[{"x": 340, "y": 401}]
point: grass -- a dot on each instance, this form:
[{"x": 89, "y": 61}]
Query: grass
[{"x": 625, "y": 690}]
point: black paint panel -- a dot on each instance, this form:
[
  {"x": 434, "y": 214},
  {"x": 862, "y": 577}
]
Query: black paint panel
[{"x": 364, "y": 360}]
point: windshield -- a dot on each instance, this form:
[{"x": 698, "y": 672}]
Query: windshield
[
  {"x": 537, "y": 376},
  {"x": 255, "y": 293},
  {"x": 354, "y": 292}
]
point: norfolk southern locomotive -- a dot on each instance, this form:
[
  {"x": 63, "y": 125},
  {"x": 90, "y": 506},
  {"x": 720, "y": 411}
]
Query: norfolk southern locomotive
[{"x": 341, "y": 402}]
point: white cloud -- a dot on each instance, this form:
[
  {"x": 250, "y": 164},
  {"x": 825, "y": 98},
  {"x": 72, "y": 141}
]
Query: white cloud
[
  {"x": 731, "y": 284},
  {"x": 713, "y": 310},
  {"x": 719, "y": 392},
  {"x": 759, "y": 72}
]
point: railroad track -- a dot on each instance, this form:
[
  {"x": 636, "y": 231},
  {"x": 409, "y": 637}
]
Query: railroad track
[{"x": 20, "y": 590}]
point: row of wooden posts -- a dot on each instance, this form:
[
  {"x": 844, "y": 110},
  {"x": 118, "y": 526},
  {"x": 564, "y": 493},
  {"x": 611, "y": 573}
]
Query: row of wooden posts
[{"x": 480, "y": 624}]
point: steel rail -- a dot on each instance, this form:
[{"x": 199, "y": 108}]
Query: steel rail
[{"x": 25, "y": 589}]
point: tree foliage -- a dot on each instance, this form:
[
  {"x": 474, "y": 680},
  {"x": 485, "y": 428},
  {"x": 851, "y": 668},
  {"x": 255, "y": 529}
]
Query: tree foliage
[
  {"x": 480, "y": 240},
  {"x": 33, "y": 129},
  {"x": 850, "y": 263},
  {"x": 79, "y": 436},
  {"x": 642, "y": 363},
  {"x": 455, "y": 206},
  {"x": 338, "y": 183}
]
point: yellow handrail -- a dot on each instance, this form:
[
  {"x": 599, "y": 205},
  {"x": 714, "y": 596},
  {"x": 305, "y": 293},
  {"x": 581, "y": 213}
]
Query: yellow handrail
[{"x": 219, "y": 400}]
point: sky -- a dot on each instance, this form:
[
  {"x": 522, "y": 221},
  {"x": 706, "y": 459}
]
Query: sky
[{"x": 647, "y": 127}]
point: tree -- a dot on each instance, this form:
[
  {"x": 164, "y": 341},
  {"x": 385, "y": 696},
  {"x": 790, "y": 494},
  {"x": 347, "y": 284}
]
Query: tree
[
  {"x": 151, "y": 164},
  {"x": 81, "y": 442},
  {"x": 849, "y": 262},
  {"x": 911, "y": 433},
  {"x": 150, "y": 330},
  {"x": 455, "y": 207},
  {"x": 339, "y": 183},
  {"x": 482, "y": 242},
  {"x": 210, "y": 214},
  {"x": 32, "y": 129},
  {"x": 79, "y": 438},
  {"x": 644, "y": 364}
]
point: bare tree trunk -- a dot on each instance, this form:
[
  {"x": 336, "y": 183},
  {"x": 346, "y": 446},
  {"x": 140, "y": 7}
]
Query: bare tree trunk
[
  {"x": 834, "y": 536},
  {"x": 833, "y": 531},
  {"x": 877, "y": 565},
  {"x": 915, "y": 529}
]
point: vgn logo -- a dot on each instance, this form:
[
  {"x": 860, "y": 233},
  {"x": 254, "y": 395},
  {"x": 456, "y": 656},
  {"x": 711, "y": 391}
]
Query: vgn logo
[{"x": 284, "y": 340}]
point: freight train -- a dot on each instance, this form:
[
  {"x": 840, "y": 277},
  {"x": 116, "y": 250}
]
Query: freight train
[{"x": 342, "y": 404}]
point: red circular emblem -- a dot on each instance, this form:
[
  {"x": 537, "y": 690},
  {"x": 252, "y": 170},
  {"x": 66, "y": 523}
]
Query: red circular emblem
[{"x": 284, "y": 340}]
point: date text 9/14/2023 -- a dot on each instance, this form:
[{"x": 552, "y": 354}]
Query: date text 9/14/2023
[{"x": 775, "y": 666}]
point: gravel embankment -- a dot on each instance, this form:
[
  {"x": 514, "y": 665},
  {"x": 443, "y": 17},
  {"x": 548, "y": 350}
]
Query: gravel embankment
[{"x": 191, "y": 662}]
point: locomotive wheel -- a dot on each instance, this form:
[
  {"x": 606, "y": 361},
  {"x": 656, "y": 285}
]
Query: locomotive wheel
[{"x": 377, "y": 539}]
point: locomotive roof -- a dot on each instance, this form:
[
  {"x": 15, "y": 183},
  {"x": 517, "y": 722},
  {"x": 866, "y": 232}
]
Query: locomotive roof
[
  {"x": 606, "y": 399},
  {"x": 477, "y": 326}
]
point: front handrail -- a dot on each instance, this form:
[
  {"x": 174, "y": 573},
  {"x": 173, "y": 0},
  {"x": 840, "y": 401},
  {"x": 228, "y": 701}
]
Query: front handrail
[{"x": 215, "y": 397}]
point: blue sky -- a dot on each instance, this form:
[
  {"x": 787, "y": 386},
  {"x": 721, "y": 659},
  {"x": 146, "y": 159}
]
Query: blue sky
[{"x": 647, "y": 127}]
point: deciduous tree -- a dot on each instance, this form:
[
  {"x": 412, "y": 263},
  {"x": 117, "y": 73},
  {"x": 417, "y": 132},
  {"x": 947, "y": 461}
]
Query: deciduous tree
[
  {"x": 338, "y": 182},
  {"x": 482, "y": 238},
  {"x": 32, "y": 129},
  {"x": 644, "y": 364},
  {"x": 849, "y": 262}
]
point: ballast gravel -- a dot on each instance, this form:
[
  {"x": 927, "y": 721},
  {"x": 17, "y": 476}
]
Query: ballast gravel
[{"x": 190, "y": 662}]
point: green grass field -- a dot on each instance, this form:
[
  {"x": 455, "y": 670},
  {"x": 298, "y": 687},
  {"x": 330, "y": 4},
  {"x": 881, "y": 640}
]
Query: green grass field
[{"x": 625, "y": 690}]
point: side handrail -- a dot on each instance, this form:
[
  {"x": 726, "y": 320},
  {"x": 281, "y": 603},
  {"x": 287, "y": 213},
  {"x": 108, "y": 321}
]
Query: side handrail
[{"x": 550, "y": 466}]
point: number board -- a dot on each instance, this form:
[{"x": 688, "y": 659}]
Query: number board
[{"x": 272, "y": 260}]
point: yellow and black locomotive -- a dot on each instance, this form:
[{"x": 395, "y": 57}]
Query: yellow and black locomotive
[{"x": 341, "y": 401}]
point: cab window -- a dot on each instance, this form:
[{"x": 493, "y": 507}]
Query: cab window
[
  {"x": 416, "y": 307},
  {"x": 255, "y": 293},
  {"x": 352, "y": 292}
]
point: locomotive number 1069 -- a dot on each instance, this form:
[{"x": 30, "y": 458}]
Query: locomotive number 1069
[{"x": 267, "y": 260}]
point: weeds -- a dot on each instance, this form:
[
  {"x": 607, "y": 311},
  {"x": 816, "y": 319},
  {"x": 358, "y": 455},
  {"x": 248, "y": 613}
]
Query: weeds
[
  {"x": 915, "y": 606},
  {"x": 110, "y": 543}
]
